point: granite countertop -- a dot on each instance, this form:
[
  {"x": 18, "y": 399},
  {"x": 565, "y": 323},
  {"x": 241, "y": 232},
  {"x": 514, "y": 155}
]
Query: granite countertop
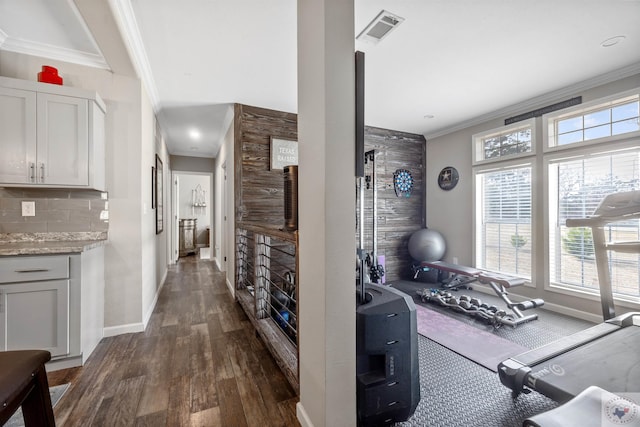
[{"x": 49, "y": 243}]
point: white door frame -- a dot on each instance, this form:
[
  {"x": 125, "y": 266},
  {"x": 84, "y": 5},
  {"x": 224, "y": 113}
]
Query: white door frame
[
  {"x": 175, "y": 212},
  {"x": 223, "y": 241},
  {"x": 210, "y": 200}
]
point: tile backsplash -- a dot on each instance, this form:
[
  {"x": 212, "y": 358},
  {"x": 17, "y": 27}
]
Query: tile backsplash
[{"x": 57, "y": 210}]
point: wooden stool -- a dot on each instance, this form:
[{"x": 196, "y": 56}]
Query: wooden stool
[{"x": 23, "y": 382}]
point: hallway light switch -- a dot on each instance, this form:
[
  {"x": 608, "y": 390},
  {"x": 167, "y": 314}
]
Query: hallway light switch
[{"x": 28, "y": 208}]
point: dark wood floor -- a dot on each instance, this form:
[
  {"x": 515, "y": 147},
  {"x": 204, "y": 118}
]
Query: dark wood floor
[{"x": 199, "y": 363}]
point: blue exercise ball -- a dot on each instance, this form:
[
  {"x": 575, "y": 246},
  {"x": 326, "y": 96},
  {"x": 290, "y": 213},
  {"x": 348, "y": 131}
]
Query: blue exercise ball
[{"x": 427, "y": 245}]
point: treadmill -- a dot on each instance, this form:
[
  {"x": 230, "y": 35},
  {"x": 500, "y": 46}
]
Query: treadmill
[{"x": 606, "y": 355}]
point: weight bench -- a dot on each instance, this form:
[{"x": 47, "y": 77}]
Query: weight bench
[
  {"x": 499, "y": 283},
  {"x": 23, "y": 383}
]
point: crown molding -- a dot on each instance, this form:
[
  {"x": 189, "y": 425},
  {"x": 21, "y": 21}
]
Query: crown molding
[
  {"x": 58, "y": 53},
  {"x": 126, "y": 21},
  {"x": 538, "y": 101}
]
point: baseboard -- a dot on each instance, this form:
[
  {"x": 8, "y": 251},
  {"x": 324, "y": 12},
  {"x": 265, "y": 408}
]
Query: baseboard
[
  {"x": 130, "y": 328},
  {"x": 66, "y": 363},
  {"x": 579, "y": 314},
  {"x": 217, "y": 261},
  {"x": 230, "y": 286},
  {"x": 302, "y": 416},
  {"x": 147, "y": 316},
  {"x": 556, "y": 308}
]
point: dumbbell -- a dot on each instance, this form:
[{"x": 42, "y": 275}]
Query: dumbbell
[
  {"x": 465, "y": 304},
  {"x": 465, "y": 298},
  {"x": 500, "y": 313}
]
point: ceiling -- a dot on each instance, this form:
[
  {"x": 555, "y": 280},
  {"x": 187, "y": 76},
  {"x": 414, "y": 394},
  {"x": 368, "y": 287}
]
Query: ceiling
[{"x": 450, "y": 64}]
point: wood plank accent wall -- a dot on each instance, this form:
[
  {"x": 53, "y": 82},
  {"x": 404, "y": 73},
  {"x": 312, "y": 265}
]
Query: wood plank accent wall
[
  {"x": 259, "y": 191},
  {"x": 398, "y": 217}
]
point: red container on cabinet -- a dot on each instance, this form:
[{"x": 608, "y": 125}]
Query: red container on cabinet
[{"x": 49, "y": 75}]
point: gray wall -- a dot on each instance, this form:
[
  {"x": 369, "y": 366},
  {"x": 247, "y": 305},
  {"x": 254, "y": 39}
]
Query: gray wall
[
  {"x": 192, "y": 164},
  {"x": 451, "y": 212}
]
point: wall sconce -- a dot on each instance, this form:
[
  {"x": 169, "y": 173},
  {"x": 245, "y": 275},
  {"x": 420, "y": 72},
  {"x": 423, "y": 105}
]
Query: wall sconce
[{"x": 198, "y": 200}]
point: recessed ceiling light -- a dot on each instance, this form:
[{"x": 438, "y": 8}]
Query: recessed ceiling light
[
  {"x": 195, "y": 134},
  {"x": 429, "y": 116},
  {"x": 612, "y": 41}
]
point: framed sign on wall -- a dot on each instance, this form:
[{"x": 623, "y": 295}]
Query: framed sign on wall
[
  {"x": 448, "y": 178},
  {"x": 284, "y": 152}
]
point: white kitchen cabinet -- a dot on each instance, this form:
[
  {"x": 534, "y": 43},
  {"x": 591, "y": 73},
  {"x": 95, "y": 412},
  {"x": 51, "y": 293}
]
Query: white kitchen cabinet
[
  {"x": 35, "y": 315},
  {"x": 34, "y": 304},
  {"x": 54, "y": 303},
  {"x": 50, "y": 136}
]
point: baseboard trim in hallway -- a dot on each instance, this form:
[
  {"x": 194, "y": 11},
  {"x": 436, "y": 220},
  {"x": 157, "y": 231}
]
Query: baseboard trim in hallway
[
  {"x": 303, "y": 418},
  {"x": 131, "y": 328}
]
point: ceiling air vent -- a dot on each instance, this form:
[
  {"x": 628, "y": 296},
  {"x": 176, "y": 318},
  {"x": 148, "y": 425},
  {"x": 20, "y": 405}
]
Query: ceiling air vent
[{"x": 380, "y": 27}]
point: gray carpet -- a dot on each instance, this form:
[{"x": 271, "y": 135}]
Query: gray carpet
[
  {"x": 56, "y": 393},
  {"x": 456, "y": 391}
]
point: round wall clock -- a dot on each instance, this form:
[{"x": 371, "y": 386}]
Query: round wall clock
[
  {"x": 402, "y": 182},
  {"x": 448, "y": 178}
]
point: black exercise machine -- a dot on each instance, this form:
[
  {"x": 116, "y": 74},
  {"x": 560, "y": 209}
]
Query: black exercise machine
[
  {"x": 606, "y": 355},
  {"x": 499, "y": 282}
]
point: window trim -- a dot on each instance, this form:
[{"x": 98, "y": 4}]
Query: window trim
[
  {"x": 549, "y": 119},
  {"x": 479, "y": 137},
  {"x": 486, "y": 167}
]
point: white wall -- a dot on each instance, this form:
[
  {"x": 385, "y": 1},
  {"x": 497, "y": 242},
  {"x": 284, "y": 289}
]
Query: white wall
[
  {"x": 451, "y": 212},
  {"x": 224, "y": 217},
  {"x": 327, "y": 250},
  {"x": 153, "y": 246}
]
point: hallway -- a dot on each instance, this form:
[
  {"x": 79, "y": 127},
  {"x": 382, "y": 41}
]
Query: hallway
[{"x": 199, "y": 363}]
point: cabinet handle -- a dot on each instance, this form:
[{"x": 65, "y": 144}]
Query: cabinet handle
[
  {"x": 42, "y": 172},
  {"x": 32, "y": 270},
  {"x": 32, "y": 172}
]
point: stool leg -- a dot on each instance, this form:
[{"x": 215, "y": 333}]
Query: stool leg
[{"x": 36, "y": 408}]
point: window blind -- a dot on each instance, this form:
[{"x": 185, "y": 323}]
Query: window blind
[
  {"x": 581, "y": 183},
  {"x": 505, "y": 233}
]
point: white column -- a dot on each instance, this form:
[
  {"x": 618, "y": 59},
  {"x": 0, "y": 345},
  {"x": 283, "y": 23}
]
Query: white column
[{"x": 326, "y": 105}]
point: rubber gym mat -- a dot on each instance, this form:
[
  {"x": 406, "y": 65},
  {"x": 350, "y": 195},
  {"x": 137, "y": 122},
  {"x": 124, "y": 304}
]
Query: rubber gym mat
[{"x": 479, "y": 346}]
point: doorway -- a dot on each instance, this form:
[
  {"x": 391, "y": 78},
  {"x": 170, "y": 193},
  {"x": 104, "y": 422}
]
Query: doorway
[{"x": 193, "y": 214}]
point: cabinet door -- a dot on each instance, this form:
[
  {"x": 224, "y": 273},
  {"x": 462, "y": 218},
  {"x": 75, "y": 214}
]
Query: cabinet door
[
  {"x": 63, "y": 140},
  {"x": 17, "y": 136},
  {"x": 35, "y": 315}
]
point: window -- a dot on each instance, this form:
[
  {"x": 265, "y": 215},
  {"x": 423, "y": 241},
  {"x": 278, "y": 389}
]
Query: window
[
  {"x": 503, "y": 220},
  {"x": 508, "y": 142},
  {"x": 588, "y": 123},
  {"x": 576, "y": 187}
]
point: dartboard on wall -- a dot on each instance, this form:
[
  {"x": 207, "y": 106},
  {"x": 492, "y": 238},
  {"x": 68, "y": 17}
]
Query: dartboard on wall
[{"x": 402, "y": 182}]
